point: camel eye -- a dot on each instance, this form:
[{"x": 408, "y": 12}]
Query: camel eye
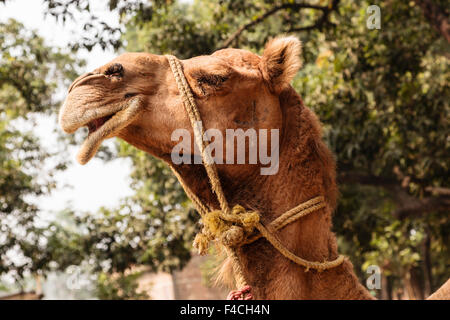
[
  {"x": 214, "y": 80},
  {"x": 115, "y": 69},
  {"x": 129, "y": 95}
]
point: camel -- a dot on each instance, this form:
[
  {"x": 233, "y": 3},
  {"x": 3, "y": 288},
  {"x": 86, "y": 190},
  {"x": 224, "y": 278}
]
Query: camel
[{"x": 135, "y": 97}]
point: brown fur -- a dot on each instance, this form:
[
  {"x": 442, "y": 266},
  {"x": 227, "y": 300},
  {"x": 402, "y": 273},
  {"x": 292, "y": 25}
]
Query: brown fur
[
  {"x": 281, "y": 61},
  {"x": 235, "y": 89}
]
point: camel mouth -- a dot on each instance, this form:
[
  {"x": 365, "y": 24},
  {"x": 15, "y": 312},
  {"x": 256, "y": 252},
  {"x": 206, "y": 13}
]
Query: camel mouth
[
  {"x": 103, "y": 127},
  {"x": 95, "y": 124}
]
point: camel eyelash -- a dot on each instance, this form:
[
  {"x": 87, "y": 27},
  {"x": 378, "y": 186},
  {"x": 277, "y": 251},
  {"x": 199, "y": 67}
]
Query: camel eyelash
[
  {"x": 212, "y": 79},
  {"x": 129, "y": 95}
]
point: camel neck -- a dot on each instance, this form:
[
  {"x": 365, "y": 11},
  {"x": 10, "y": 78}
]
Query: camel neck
[
  {"x": 306, "y": 170},
  {"x": 271, "y": 275}
]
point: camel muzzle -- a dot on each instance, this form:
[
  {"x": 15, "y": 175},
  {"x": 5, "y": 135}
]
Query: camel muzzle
[{"x": 103, "y": 123}]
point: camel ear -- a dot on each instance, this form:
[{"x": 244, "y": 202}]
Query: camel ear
[{"x": 281, "y": 61}]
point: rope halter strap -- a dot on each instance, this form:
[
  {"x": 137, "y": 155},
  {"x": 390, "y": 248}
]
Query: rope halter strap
[{"x": 235, "y": 227}]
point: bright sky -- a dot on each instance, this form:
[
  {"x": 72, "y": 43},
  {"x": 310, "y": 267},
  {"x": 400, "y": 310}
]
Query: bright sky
[{"x": 97, "y": 183}]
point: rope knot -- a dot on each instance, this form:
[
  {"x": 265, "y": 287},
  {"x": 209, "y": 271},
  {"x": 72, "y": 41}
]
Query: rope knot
[
  {"x": 233, "y": 236},
  {"x": 232, "y": 229}
]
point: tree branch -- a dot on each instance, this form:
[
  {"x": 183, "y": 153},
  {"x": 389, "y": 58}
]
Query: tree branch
[
  {"x": 407, "y": 205},
  {"x": 417, "y": 207},
  {"x": 325, "y": 9},
  {"x": 438, "y": 191},
  {"x": 437, "y": 16},
  {"x": 364, "y": 179},
  {"x": 321, "y": 22}
]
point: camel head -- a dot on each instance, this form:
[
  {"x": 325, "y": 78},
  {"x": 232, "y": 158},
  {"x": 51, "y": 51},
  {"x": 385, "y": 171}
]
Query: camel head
[{"x": 135, "y": 96}]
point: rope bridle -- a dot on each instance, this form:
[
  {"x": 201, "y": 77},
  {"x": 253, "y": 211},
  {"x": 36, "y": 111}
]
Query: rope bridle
[{"x": 234, "y": 227}]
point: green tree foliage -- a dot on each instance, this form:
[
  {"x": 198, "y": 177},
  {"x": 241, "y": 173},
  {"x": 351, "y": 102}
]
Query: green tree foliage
[
  {"x": 29, "y": 73},
  {"x": 121, "y": 287},
  {"x": 154, "y": 228},
  {"x": 383, "y": 97}
]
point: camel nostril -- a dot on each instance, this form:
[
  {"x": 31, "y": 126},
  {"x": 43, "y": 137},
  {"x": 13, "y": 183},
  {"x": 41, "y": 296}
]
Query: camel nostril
[{"x": 115, "y": 69}]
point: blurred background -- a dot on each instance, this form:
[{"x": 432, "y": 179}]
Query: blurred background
[{"x": 121, "y": 227}]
